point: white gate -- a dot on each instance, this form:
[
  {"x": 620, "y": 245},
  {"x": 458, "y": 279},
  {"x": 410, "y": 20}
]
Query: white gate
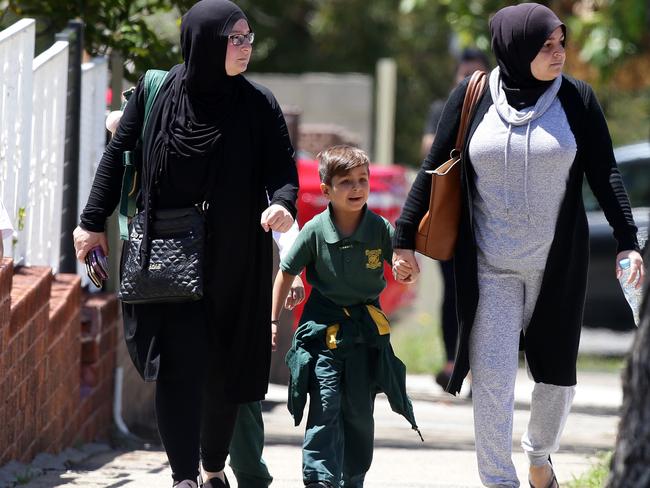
[
  {"x": 16, "y": 55},
  {"x": 94, "y": 80},
  {"x": 46, "y": 167}
]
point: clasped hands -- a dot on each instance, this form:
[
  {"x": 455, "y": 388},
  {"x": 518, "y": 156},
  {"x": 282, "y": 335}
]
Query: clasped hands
[{"x": 405, "y": 267}]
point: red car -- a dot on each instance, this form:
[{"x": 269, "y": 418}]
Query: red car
[{"x": 388, "y": 188}]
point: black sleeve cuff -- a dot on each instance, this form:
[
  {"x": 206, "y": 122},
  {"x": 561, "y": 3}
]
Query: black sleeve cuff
[
  {"x": 404, "y": 237},
  {"x": 92, "y": 227},
  {"x": 628, "y": 243}
]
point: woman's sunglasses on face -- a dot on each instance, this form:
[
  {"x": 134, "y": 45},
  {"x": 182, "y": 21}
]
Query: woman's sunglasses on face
[{"x": 239, "y": 39}]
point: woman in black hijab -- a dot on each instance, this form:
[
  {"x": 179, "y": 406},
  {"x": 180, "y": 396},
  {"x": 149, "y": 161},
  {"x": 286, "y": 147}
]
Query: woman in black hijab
[
  {"x": 208, "y": 123},
  {"x": 523, "y": 246}
]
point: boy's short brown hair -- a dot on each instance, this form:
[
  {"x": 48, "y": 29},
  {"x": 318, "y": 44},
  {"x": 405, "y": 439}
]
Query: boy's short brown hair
[{"x": 338, "y": 160}]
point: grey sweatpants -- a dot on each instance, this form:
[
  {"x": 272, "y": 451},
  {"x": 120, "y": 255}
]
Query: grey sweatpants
[{"x": 506, "y": 302}]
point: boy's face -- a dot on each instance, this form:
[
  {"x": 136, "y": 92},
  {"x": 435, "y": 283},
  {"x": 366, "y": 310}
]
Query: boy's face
[{"x": 348, "y": 192}]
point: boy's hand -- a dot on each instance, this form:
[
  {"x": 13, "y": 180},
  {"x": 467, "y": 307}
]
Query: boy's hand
[
  {"x": 405, "y": 267},
  {"x": 274, "y": 335},
  {"x": 296, "y": 294},
  {"x": 276, "y": 218},
  {"x": 402, "y": 271}
]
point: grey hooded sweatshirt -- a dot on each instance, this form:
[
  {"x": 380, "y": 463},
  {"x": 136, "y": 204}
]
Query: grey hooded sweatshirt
[{"x": 521, "y": 160}]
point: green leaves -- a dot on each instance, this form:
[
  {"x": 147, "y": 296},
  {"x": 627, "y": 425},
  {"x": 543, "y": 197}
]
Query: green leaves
[
  {"x": 346, "y": 35},
  {"x": 122, "y": 25},
  {"x": 610, "y": 32}
]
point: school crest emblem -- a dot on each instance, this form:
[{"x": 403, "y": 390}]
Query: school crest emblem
[{"x": 374, "y": 258}]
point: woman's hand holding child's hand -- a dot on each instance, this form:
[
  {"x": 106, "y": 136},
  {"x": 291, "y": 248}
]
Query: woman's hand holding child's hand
[
  {"x": 405, "y": 267},
  {"x": 276, "y": 218},
  {"x": 402, "y": 271}
]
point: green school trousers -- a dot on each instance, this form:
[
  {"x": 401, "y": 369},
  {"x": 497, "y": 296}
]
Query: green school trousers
[
  {"x": 340, "y": 428},
  {"x": 246, "y": 448}
]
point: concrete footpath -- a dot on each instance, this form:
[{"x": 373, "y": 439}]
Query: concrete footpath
[{"x": 446, "y": 458}]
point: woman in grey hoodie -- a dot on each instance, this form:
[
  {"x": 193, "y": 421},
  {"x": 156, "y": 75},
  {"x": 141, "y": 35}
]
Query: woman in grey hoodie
[{"x": 522, "y": 254}]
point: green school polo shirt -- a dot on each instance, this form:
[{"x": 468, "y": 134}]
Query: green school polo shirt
[{"x": 347, "y": 270}]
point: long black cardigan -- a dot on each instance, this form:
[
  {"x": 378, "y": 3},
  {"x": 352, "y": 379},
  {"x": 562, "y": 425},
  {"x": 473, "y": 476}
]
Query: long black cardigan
[{"x": 552, "y": 338}]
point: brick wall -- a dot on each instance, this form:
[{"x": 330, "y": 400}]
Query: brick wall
[
  {"x": 44, "y": 405},
  {"x": 100, "y": 318},
  {"x": 26, "y": 395}
]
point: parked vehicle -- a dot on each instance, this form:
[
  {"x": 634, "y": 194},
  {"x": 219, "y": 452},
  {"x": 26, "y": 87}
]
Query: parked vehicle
[
  {"x": 606, "y": 305},
  {"x": 388, "y": 189}
]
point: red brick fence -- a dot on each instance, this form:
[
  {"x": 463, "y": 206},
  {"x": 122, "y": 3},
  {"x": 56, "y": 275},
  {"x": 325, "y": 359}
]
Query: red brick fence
[{"x": 57, "y": 362}]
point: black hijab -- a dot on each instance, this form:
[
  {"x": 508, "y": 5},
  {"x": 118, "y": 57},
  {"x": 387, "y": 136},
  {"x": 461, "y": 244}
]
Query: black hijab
[
  {"x": 197, "y": 97},
  {"x": 518, "y": 33}
]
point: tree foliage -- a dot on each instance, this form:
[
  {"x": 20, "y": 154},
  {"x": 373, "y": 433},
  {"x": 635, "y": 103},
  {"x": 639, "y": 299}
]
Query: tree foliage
[
  {"x": 122, "y": 25},
  {"x": 604, "y": 33},
  {"x": 351, "y": 35}
]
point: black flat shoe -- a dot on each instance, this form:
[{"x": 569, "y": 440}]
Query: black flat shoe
[
  {"x": 551, "y": 484},
  {"x": 214, "y": 483},
  {"x": 442, "y": 378}
]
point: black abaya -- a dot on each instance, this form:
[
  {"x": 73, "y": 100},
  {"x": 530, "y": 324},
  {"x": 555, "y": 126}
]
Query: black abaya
[{"x": 254, "y": 158}]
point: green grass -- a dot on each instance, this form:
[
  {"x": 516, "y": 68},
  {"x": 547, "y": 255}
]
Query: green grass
[
  {"x": 601, "y": 364},
  {"x": 418, "y": 343},
  {"x": 596, "y": 476}
]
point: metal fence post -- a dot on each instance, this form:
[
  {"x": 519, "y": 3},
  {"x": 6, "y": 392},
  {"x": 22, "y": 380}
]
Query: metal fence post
[{"x": 73, "y": 34}]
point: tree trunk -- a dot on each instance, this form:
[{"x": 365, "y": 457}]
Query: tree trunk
[{"x": 631, "y": 461}]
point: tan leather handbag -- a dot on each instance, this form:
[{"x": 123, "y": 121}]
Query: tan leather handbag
[{"x": 438, "y": 230}]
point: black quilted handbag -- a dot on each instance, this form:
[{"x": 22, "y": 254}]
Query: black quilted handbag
[{"x": 172, "y": 269}]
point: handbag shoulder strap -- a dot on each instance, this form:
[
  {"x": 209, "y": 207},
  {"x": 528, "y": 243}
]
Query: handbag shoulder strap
[
  {"x": 153, "y": 81},
  {"x": 475, "y": 90}
]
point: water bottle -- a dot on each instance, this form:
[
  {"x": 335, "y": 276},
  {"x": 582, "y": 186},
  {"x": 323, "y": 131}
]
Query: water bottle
[
  {"x": 642, "y": 237},
  {"x": 633, "y": 295}
]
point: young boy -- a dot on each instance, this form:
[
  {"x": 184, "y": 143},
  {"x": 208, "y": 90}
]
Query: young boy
[{"x": 341, "y": 353}]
